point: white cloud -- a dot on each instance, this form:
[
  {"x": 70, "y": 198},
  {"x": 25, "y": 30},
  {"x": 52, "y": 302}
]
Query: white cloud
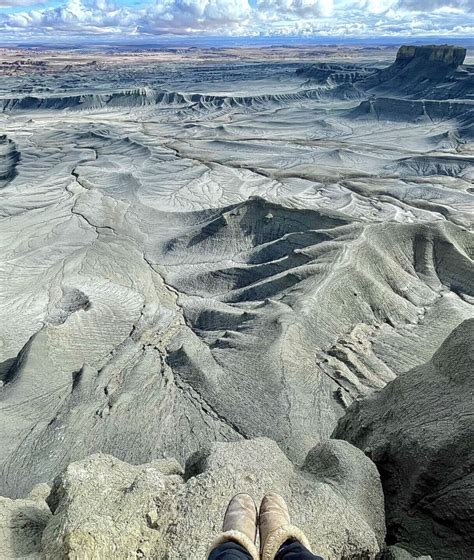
[
  {"x": 188, "y": 16},
  {"x": 427, "y": 6},
  {"x": 378, "y": 6},
  {"x": 344, "y": 18},
  {"x": 298, "y": 8},
  {"x": 74, "y": 16},
  {"x": 19, "y": 3},
  {"x": 102, "y": 16}
]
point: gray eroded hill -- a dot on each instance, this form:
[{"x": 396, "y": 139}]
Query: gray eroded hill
[{"x": 329, "y": 302}]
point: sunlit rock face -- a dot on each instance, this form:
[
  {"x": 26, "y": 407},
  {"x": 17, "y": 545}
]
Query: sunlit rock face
[
  {"x": 213, "y": 253},
  {"x": 101, "y": 507}
]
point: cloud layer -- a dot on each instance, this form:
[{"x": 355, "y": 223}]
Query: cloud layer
[{"x": 339, "y": 18}]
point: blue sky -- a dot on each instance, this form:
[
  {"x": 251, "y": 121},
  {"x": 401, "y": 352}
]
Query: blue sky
[{"x": 22, "y": 20}]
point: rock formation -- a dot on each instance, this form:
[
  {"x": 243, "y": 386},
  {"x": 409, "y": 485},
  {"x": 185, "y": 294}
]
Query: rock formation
[
  {"x": 419, "y": 432},
  {"x": 426, "y": 72},
  {"x": 104, "y": 508},
  {"x": 438, "y": 54},
  {"x": 418, "y": 72}
]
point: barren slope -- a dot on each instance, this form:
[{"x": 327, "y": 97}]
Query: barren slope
[{"x": 220, "y": 254}]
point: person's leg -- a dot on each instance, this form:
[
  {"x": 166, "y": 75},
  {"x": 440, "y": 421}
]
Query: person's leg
[
  {"x": 294, "y": 550},
  {"x": 230, "y": 551}
]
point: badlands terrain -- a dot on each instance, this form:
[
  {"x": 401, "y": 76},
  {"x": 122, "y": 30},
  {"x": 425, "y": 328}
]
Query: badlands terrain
[{"x": 225, "y": 272}]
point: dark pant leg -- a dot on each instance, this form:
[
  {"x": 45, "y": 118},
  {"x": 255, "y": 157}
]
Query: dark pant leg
[
  {"x": 294, "y": 550},
  {"x": 229, "y": 551}
]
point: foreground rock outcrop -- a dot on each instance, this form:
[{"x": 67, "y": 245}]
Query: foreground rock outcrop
[
  {"x": 419, "y": 431},
  {"x": 103, "y": 508},
  {"x": 22, "y": 523}
]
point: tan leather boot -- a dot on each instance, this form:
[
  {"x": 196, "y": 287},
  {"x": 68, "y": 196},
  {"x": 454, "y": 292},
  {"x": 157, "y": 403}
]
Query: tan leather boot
[
  {"x": 240, "y": 524},
  {"x": 276, "y": 527}
]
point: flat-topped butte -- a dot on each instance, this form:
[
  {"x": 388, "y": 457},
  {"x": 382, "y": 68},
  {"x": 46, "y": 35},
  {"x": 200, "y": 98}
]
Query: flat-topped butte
[{"x": 446, "y": 54}]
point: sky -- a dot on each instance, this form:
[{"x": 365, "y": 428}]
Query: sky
[{"x": 54, "y": 20}]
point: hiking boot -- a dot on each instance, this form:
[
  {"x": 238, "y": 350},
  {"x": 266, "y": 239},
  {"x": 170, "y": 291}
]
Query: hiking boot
[
  {"x": 240, "y": 524},
  {"x": 276, "y": 527}
]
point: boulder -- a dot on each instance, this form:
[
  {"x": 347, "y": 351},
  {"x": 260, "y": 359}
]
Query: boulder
[{"x": 22, "y": 523}]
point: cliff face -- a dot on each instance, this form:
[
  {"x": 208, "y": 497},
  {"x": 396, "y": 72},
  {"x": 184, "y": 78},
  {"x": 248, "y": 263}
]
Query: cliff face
[
  {"x": 419, "y": 432},
  {"x": 418, "y": 72},
  {"x": 423, "y": 72},
  {"x": 445, "y": 54}
]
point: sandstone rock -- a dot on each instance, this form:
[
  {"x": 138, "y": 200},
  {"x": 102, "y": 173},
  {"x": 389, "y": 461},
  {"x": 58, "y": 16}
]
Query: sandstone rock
[
  {"x": 21, "y": 525},
  {"x": 419, "y": 432},
  {"x": 105, "y": 508},
  {"x": 446, "y": 54}
]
